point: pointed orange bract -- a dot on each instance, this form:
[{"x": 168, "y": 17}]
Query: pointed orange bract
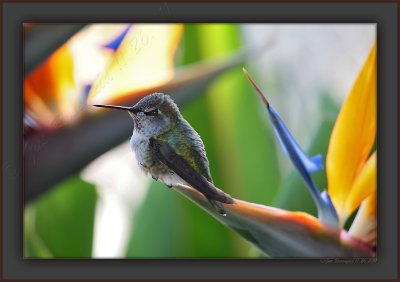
[
  {"x": 352, "y": 137},
  {"x": 281, "y": 233},
  {"x": 363, "y": 186}
]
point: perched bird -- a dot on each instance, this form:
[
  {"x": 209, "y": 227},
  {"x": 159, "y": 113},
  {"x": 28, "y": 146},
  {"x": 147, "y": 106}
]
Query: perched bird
[{"x": 169, "y": 149}]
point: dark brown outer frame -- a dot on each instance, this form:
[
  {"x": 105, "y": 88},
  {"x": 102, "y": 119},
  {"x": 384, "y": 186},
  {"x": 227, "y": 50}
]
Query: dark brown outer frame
[{"x": 13, "y": 267}]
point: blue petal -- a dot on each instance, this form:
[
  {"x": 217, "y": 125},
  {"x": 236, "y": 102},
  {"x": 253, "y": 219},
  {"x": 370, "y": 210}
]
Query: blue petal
[
  {"x": 314, "y": 164},
  {"x": 86, "y": 91},
  {"x": 290, "y": 146},
  {"x": 113, "y": 45},
  {"x": 328, "y": 211},
  {"x": 30, "y": 121},
  {"x": 305, "y": 166}
]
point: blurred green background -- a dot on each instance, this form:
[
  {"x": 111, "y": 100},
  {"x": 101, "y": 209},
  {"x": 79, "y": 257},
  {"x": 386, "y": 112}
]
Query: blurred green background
[{"x": 108, "y": 209}]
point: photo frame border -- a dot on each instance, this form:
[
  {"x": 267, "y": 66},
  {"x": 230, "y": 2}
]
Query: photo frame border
[{"x": 385, "y": 15}]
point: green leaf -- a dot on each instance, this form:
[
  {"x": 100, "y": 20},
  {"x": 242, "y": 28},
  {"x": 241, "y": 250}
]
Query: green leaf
[
  {"x": 170, "y": 226},
  {"x": 154, "y": 235},
  {"x": 34, "y": 247},
  {"x": 60, "y": 223}
]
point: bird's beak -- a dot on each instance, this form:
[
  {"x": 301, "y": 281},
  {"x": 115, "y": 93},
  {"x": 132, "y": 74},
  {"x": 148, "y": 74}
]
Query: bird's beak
[{"x": 129, "y": 109}]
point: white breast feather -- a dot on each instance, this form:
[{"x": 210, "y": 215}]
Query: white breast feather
[{"x": 139, "y": 146}]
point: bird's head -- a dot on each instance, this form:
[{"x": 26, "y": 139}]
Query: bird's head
[{"x": 152, "y": 115}]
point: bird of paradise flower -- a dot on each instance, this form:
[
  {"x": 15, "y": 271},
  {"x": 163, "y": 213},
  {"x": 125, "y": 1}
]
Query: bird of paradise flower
[{"x": 351, "y": 173}]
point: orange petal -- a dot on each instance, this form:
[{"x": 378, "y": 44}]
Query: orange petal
[
  {"x": 36, "y": 107},
  {"x": 353, "y": 136},
  {"x": 143, "y": 60},
  {"x": 51, "y": 89},
  {"x": 363, "y": 186}
]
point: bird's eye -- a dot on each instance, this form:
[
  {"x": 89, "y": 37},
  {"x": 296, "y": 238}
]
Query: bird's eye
[{"x": 151, "y": 113}]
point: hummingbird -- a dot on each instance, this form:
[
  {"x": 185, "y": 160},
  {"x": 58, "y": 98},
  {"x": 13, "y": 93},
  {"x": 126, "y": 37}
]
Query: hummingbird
[{"x": 169, "y": 149}]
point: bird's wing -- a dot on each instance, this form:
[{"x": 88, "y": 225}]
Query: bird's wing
[{"x": 167, "y": 155}]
